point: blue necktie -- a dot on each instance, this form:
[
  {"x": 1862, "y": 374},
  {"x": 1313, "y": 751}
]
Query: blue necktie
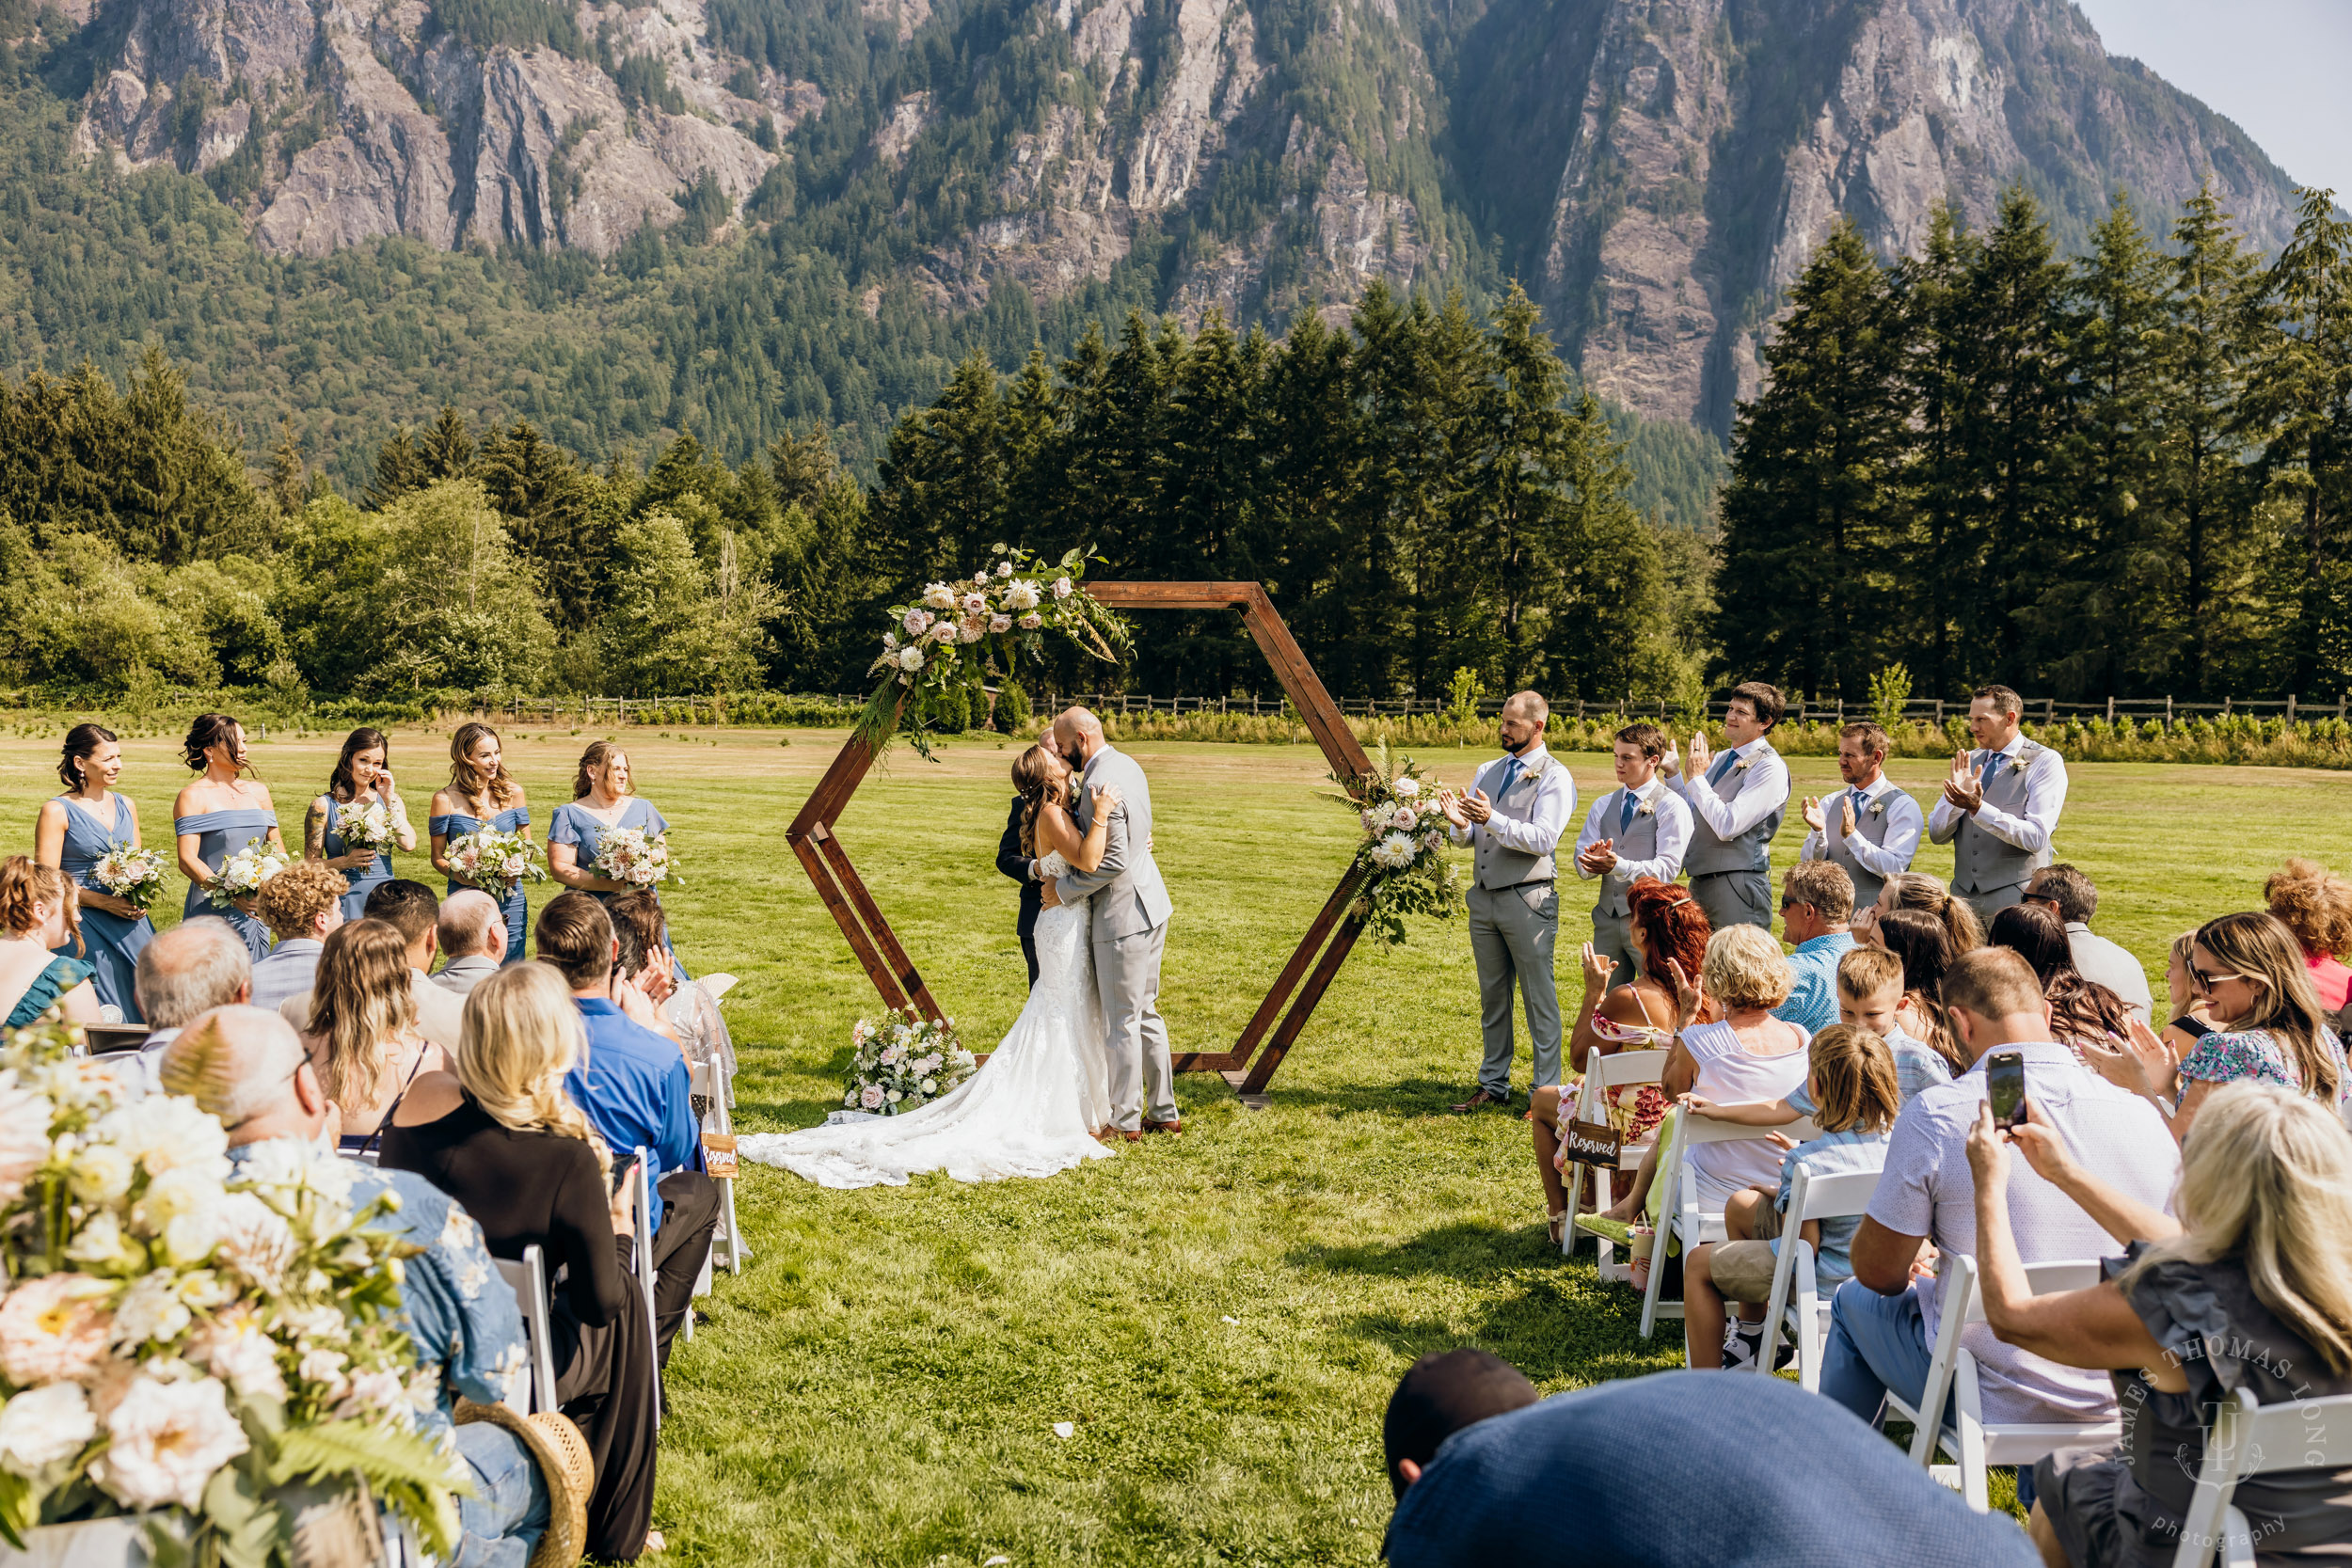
[
  {"x": 1991, "y": 766},
  {"x": 1722, "y": 766},
  {"x": 1861, "y": 801},
  {"x": 1510, "y": 777},
  {"x": 1625, "y": 811}
]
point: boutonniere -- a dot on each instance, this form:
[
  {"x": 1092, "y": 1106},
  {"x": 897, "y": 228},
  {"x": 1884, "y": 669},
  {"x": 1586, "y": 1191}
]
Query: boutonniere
[
  {"x": 1742, "y": 766},
  {"x": 1647, "y": 808},
  {"x": 1878, "y": 804},
  {"x": 1535, "y": 770}
]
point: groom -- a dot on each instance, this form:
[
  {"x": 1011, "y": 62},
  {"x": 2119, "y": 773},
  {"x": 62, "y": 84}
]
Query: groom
[{"x": 1130, "y": 927}]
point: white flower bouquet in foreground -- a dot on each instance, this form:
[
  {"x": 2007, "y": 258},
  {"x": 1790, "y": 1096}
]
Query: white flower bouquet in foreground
[
  {"x": 368, "y": 828},
  {"x": 242, "y": 873},
  {"x": 498, "y": 863},
  {"x": 135, "y": 876},
  {"x": 903, "y": 1061},
  {"x": 1402, "y": 854},
  {"x": 182, "y": 1335},
  {"x": 636, "y": 857}
]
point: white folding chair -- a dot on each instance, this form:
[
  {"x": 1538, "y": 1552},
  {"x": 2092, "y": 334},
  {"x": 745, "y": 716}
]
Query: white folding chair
[
  {"x": 528, "y": 1279},
  {"x": 1601, "y": 1075},
  {"x": 713, "y": 1082},
  {"x": 641, "y": 1172},
  {"x": 2250, "y": 1438},
  {"x": 1812, "y": 1195},
  {"x": 1679, "y": 1217},
  {"x": 1967, "y": 1436}
]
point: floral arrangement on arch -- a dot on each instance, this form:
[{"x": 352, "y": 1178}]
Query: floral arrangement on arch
[
  {"x": 1402, "y": 855},
  {"x": 903, "y": 1061},
  {"x": 186, "y": 1339},
  {"x": 957, "y": 635}
]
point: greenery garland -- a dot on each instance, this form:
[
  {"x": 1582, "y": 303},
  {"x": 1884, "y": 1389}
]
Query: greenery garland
[{"x": 1402, "y": 855}]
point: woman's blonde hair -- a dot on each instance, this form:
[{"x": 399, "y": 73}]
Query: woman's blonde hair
[
  {"x": 2258, "y": 945},
  {"x": 521, "y": 1034},
  {"x": 1743, "y": 968},
  {"x": 2266, "y": 1177},
  {"x": 593, "y": 761},
  {"x": 1916, "y": 889},
  {"x": 467, "y": 781},
  {"x": 24, "y": 884},
  {"x": 1853, "y": 1079},
  {"x": 360, "y": 1004}
]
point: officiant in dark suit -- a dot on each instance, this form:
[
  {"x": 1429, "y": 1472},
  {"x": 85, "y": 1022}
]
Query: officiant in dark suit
[{"x": 1022, "y": 869}]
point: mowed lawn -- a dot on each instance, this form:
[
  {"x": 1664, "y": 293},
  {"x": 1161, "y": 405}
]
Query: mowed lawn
[{"x": 1221, "y": 1317}]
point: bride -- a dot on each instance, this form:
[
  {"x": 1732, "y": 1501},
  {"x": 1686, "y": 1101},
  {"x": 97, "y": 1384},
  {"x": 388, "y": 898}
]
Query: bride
[{"x": 1037, "y": 1101}]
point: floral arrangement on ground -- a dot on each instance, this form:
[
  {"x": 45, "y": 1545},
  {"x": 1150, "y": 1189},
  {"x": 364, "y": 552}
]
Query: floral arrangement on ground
[
  {"x": 954, "y": 638},
  {"x": 903, "y": 1060},
  {"x": 188, "y": 1337},
  {"x": 1401, "y": 856}
]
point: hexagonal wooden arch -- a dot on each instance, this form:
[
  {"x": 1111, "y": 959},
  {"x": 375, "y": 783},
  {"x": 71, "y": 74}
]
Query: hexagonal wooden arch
[{"x": 1295, "y": 991}]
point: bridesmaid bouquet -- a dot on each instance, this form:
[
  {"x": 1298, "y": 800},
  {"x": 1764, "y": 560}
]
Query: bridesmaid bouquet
[
  {"x": 242, "y": 873},
  {"x": 369, "y": 828},
  {"x": 634, "y": 856},
  {"x": 903, "y": 1061},
  {"x": 495, "y": 861},
  {"x": 133, "y": 875}
]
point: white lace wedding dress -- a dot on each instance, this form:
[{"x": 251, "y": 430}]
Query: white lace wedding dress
[{"x": 1031, "y": 1110}]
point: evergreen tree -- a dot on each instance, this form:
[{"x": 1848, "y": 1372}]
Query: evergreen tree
[
  {"x": 399, "y": 469},
  {"x": 549, "y": 507},
  {"x": 289, "y": 480},
  {"x": 447, "y": 449},
  {"x": 1943, "y": 384},
  {"x": 940, "y": 502}
]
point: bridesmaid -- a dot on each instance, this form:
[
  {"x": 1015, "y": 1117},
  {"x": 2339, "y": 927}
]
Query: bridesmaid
[
  {"x": 601, "y": 799},
  {"x": 481, "y": 791},
  {"x": 216, "y": 815},
  {"x": 361, "y": 779},
  {"x": 73, "y": 832},
  {"x": 37, "y": 915}
]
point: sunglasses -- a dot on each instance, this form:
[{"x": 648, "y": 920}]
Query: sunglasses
[{"x": 2205, "y": 982}]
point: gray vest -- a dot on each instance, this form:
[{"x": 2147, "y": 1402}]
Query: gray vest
[
  {"x": 1495, "y": 865},
  {"x": 1866, "y": 825},
  {"x": 1751, "y": 851},
  {"x": 1638, "y": 841},
  {"x": 1980, "y": 862}
]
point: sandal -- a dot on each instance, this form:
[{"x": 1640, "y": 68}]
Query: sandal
[{"x": 1557, "y": 1222}]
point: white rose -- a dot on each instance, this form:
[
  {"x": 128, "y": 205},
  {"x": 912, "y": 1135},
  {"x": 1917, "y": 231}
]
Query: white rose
[
  {"x": 971, "y": 631},
  {"x": 44, "y": 1426},
  {"x": 169, "y": 1439},
  {"x": 240, "y": 1354},
  {"x": 894, "y": 1097},
  {"x": 151, "y": 1312},
  {"x": 1405, "y": 788},
  {"x": 916, "y": 621},
  {"x": 1061, "y": 588},
  {"x": 1032, "y": 621},
  {"x": 1004, "y": 568},
  {"x": 1000, "y": 624},
  {"x": 974, "y": 603},
  {"x": 910, "y": 658},
  {"x": 931, "y": 1085},
  {"x": 940, "y": 597}
]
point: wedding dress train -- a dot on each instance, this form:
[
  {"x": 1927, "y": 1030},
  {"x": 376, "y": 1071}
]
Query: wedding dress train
[{"x": 1031, "y": 1110}]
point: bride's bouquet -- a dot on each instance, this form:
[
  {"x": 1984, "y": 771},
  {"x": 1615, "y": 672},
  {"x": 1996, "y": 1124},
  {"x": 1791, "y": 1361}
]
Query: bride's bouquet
[
  {"x": 635, "y": 856},
  {"x": 1402, "y": 854},
  {"x": 366, "y": 827},
  {"x": 903, "y": 1061},
  {"x": 135, "y": 876},
  {"x": 242, "y": 873},
  {"x": 498, "y": 863}
]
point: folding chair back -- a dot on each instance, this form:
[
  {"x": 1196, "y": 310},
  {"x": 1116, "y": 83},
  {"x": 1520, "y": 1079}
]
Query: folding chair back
[
  {"x": 2250, "y": 1438},
  {"x": 1812, "y": 1195},
  {"x": 1603, "y": 1074},
  {"x": 528, "y": 1279},
  {"x": 639, "y": 1172},
  {"x": 714, "y": 1083},
  {"x": 1679, "y": 1217}
]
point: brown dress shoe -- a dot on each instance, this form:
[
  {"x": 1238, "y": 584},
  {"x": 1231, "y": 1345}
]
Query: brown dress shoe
[
  {"x": 1163, "y": 1126},
  {"x": 1134, "y": 1137},
  {"x": 1480, "y": 1101}
]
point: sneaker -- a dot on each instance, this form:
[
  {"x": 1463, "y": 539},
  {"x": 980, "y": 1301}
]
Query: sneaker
[{"x": 1741, "y": 1348}]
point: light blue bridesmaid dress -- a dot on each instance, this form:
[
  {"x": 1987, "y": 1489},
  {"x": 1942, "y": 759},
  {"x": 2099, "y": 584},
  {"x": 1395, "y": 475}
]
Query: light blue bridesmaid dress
[
  {"x": 111, "y": 944},
  {"x": 221, "y": 834},
  {"x": 518, "y": 906},
  {"x": 361, "y": 882},
  {"x": 576, "y": 826}
]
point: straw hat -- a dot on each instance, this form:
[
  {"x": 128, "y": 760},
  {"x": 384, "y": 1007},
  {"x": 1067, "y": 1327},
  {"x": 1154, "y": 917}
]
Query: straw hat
[{"x": 571, "y": 1475}]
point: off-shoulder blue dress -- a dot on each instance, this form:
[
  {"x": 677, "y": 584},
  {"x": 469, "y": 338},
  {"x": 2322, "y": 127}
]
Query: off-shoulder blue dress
[
  {"x": 220, "y": 835},
  {"x": 61, "y": 976},
  {"x": 518, "y": 906},
  {"x": 576, "y": 825},
  {"x": 111, "y": 943},
  {"x": 361, "y": 881}
]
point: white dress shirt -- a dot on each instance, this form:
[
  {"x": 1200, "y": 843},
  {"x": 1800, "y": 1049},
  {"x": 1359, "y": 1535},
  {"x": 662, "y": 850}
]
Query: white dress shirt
[
  {"x": 1673, "y": 832},
  {"x": 1763, "y": 790},
  {"x": 2112, "y": 965},
  {"x": 1545, "y": 814},
  {"x": 1889, "y": 859},
  {"x": 2046, "y": 797}
]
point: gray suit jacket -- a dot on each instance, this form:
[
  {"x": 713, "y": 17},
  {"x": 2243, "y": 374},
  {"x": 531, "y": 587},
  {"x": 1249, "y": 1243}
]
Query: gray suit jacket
[
  {"x": 1134, "y": 899},
  {"x": 462, "y": 975}
]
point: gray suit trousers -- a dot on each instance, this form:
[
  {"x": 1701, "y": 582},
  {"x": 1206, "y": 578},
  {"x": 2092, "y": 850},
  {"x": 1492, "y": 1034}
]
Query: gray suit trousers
[
  {"x": 1511, "y": 941},
  {"x": 1735, "y": 898},
  {"x": 1127, "y": 978},
  {"x": 1612, "y": 938},
  {"x": 1994, "y": 901}
]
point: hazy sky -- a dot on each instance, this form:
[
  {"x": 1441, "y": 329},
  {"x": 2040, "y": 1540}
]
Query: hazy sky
[{"x": 2276, "y": 67}]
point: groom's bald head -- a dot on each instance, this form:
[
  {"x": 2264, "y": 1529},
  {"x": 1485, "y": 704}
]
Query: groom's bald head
[{"x": 1077, "y": 735}]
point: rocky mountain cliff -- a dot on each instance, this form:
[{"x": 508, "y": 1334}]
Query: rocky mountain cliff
[{"x": 1655, "y": 171}]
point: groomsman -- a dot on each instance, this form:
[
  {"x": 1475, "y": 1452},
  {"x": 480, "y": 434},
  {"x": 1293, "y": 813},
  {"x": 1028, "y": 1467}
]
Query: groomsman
[
  {"x": 1513, "y": 818},
  {"x": 2000, "y": 806},
  {"x": 1640, "y": 829},
  {"x": 1737, "y": 798},
  {"x": 1870, "y": 828}
]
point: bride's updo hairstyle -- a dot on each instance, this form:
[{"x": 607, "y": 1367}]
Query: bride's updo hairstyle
[
  {"x": 1032, "y": 778},
  {"x": 520, "y": 1035}
]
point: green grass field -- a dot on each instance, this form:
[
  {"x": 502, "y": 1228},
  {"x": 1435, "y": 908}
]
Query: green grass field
[{"x": 1221, "y": 1316}]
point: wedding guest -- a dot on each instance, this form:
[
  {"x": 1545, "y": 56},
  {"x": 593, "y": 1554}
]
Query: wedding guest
[
  {"x": 1870, "y": 995},
  {"x": 501, "y": 1137},
  {"x": 1666, "y": 926},
  {"x": 481, "y": 794},
  {"x": 2080, "y": 1010},
  {"x": 186, "y": 971},
  {"x": 362, "y": 779},
  {"x": 1870, "y": 829},
  {"x": 37, "y": 917},
  {"x": 603, "y": 800},
  {"x": 634, "y": 1089},
  {"x": 412, "y": 911},
  {"x": 216, "y": 815},
  {"x": 77, "y": 830},
  {"x": 1923, "y": 945},
  {"x": 2066, "y": 892},
  {"x": 1916, "y": 889},
  {"x": 473, "y": 939},
  {"x": 1738, "y": 799},
  {"x": 2000, "y": 806},
  {"x": 650, "y": 992},
  {"x": 302, "y": 906},
  {"x": 2191, "y": 1013},
  {"x": 1638, "y": 830},
  {"x": 2316, "y": 906},
  {"x": 361, "y": 1033},
  {"x": 1815, "y": 905},
  {"x": 1441, "y": 1394},
  {"x": 2255, "y": 1266},
  {"x": 1513, "y": 818},
  {"x": 1030, "y": 777}
]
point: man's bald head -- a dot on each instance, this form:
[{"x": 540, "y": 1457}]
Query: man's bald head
[
  {"x": 1077, "y": 735},
  {"x": 471, "y": 926},
  {"x": 196, "y": 966},
  {"x": 1528, "y": 705},
  {"x": 242, "y": 1064}
]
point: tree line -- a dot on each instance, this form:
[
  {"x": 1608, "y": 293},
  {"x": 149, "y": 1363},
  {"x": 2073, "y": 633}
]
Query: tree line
[{"x": 2125, "y": 473}]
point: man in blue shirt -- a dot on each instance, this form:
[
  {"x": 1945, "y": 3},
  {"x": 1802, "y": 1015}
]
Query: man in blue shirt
[
  {"x": 1815, "y": 903},
  {"x": 634, "y": 1086}
]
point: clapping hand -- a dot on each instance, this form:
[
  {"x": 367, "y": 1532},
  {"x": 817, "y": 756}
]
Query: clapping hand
[
  {"x": 1690, "y": 995},
  {"x": 1700, "y": 756},
  {"x": 1598, "y": 968},
  {"x": 1966, "y": 787},
  {"x": 2140, "y": 1063},
  {"x": 1598, "y": 859},
  {"x": 1476, "y": 806},
  {"x": 1450, "y": 804},
  {"x": 1811, "y": 812}
]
